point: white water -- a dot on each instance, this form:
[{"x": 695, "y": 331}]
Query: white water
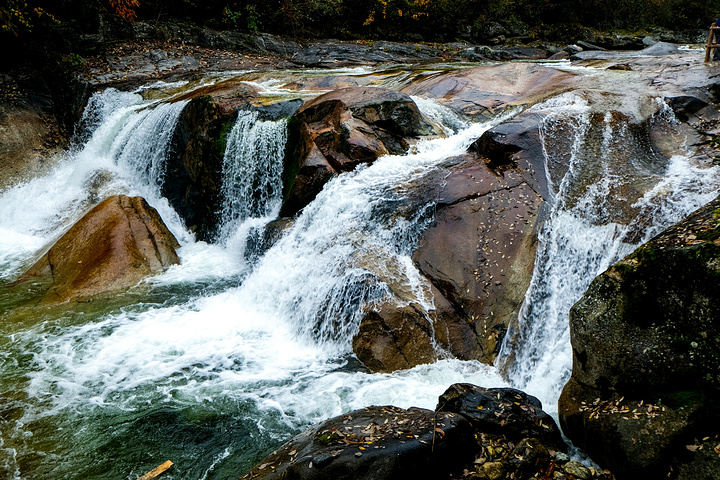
[
  {"x": 279, "y": 342},
  {"x": 272, "y": 352},
  {"x": 252, "y": 171},
  {"x": 586, "y": 231}
]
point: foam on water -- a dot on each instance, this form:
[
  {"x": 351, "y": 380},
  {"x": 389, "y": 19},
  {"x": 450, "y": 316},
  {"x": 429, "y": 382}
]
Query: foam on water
[
  {"x": 588, "y": 229},
  {"x": 274, "y": 339}
]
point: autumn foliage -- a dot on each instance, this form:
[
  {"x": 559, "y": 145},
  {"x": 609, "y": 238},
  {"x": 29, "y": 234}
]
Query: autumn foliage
[{"x": 125, "y": 8}]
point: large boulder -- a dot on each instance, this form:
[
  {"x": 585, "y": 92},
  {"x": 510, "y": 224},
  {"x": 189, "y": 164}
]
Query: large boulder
[
  {"x": 483, "y": 92},
  {"x": 646, "y": 362},
  {"x": 340, "y": 130},
  {"x": 502, "y": 411},
  {"x": 111, "y": 248},
  {"x": 479, "y": 252},
  {"x": 193, "y": 178},
  {"x": 374, "y": 443},
  {"x": 474, "y": 433}
]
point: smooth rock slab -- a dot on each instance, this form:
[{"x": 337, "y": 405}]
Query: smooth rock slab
[{"x": 113, "y": 247}]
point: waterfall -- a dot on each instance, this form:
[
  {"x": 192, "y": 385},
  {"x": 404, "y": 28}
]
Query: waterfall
[
  {"x": 252, "y": 171},
  {"x": 120, "y": 149},
  {"x": 216, "y": 361},
  {"x": 609, "y": 193}
]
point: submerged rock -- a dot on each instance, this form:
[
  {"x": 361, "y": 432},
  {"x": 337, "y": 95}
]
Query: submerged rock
[
  {"x": 113, "y": 247},
  {"x": 646, "y": 370},
  {"x": 340, "y": 130}
]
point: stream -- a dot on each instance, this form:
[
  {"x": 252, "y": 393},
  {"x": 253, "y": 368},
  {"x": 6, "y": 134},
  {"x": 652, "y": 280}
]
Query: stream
[{"x": 217, "y": 361}]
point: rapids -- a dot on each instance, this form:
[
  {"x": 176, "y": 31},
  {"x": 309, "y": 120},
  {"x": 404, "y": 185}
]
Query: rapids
[{"x": 218, "y": 360}]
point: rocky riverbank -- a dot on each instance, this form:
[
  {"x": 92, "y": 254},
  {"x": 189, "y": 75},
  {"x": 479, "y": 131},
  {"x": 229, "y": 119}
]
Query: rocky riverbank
[{"x": 477, "y": 247}]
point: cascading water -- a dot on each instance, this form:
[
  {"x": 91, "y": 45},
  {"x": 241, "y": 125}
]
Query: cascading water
[
  {"x": 218, "y": 360},
  {"x": 252, "y": 170},
  {"x": 213, "y": 378},
  {"x": 609, "y": 193}
]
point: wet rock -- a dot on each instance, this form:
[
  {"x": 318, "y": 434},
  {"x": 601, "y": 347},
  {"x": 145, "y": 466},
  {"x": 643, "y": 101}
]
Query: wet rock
[
  {"x": 395, "y": 338},
  {"x": 503, "y": 411},
  {"x": 338, "y": 131},
  {"x": 113, "y": 247},
  {"x": 374, "y": 443},
  {"x": 479, "y": 252},
  {"x": 276, "y": 111},
  {"x": 577, "y": 470},
  {"x": 193, "y": 178},
  {"x": 529, "y": 456},
  {"x": 29, "y": 138},
  {"x": 485, "y": 91},
  {"x": 645, "y": 366}
]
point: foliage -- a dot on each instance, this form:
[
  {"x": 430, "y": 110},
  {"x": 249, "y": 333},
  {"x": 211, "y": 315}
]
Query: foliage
[
  {"x": 125, "y": 8},
  {"x": 18, "y": 17}
]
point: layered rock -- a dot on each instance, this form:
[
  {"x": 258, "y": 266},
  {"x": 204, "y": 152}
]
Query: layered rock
[
  {"x": 114, "y": 246},
  {"x": 340, "y": 130},
  {"x": 646, "y": 367},
  {"x": 474, "y": 433},
  {"x": 483, "y": 92}
]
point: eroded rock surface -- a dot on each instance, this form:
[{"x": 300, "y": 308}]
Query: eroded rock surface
[
  {"x": 482, "y": 92},
  {"x": 646, "y": 367},
  {"x": 111, "y": 248}
]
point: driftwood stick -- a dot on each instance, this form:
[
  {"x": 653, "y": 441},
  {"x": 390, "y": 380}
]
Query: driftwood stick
[{"x": 157, "y": 471}]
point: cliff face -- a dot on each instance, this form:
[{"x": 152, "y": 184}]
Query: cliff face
[{"x": 646, "y": 356}]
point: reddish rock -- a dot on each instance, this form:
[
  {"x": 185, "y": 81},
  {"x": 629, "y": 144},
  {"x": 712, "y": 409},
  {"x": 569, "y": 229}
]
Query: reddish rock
[
  {"x": 395, "y": 338},
  {"x": 113, "y": 247}
]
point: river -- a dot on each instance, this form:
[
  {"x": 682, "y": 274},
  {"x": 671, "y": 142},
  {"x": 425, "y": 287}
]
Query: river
[{"x": 218, "y": 360}]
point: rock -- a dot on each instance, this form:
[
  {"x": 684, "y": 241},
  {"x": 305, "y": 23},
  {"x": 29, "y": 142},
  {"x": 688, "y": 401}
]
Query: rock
[
  {"x": 479, "y": 252},
  {"x": 29, "y": 139},
  {"x": 485, "y": 91},
  {"x": 577, "y": 470},
  {"x": 193, "y": 179},
  {"x": 508, "y": 412},
  {"x": 529, "y": 456},
  {"x": 374, "y": 443},
  {"x": 684, "y": 106},
  {"x": 395, "y": 338},
  {"x": 645, "y": 377},
  {"x": 276, "y": 111},
  {"x": 338, "y": 131},
  {"x": 113, "y": 247},
  {"x": 588, "y": 46}
]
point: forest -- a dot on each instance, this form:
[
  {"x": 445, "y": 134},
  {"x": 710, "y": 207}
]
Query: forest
[{"x": 60, "y": 22}]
